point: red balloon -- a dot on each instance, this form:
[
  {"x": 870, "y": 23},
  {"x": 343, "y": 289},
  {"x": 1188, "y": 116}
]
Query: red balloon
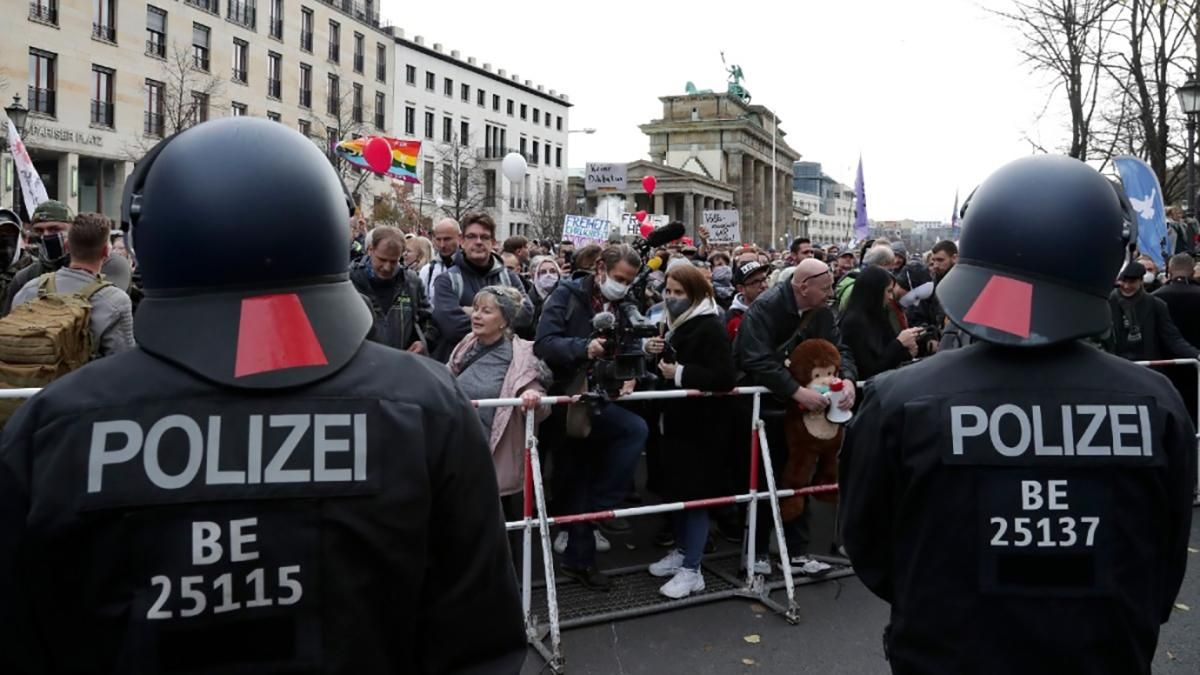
[
  {"x": 649, "y": 183},
  {"x": 378, "y": 154},
  {"x": 646, "y": 230},
  {"x": 641, "y": 216}
]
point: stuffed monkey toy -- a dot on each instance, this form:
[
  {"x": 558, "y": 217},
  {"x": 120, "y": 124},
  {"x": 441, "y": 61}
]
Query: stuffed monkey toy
[{"x": 813, "y": 441}]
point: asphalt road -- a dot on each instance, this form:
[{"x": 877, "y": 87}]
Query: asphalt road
[{"x": 839, "y": 633}]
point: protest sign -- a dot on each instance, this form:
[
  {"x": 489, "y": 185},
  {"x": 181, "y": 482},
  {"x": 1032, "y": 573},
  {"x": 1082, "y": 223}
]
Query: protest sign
[
  {"x": 722, "y": 227},
  {"x": 583, "y": 230},
  {"x": 604, "y": 177}
]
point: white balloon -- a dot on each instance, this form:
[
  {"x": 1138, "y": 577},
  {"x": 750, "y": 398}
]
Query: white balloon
[{"x": 514, "y": 166}]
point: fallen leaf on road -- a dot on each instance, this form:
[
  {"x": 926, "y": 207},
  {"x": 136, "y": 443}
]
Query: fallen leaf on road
[
  {"x": 749, "y": 662},
  {"x": 1182, "y": 607},
  {"x": 757, "y": 608},
  {"x": 708, "y": 648},
  {"x": 752, "y": 639}
]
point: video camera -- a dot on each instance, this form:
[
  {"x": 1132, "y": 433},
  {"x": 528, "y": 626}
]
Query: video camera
[{"x": 623, "y": 358}]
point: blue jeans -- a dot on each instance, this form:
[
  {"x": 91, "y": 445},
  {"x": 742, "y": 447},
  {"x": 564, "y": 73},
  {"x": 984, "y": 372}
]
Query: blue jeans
[
  {"x": 691, "y": 534},
  {"x": 596, "y": 473}
]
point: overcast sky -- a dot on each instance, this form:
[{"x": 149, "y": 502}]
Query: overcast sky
[{"x": 932, "y": 93}]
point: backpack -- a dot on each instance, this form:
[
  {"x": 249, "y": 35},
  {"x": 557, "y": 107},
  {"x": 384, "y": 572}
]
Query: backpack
[
  {"x": 456, "y": 281},
  {"x": 46, "y": 338}
]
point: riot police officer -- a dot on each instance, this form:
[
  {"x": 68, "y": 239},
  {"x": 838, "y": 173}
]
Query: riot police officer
[
  {"x": 255, "y": 488},
  {"x": 1024, "y": 503}
]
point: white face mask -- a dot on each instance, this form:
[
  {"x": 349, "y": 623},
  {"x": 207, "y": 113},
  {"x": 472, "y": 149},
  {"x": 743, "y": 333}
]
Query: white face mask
[
  {"x": 613, "y": 290},
  {"x": 547, "y": 281},
  {"x": 1148, "y": 278}
]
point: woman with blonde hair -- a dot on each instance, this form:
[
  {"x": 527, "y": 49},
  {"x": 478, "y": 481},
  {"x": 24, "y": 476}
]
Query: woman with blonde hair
[{"x": 417, "y": 252}]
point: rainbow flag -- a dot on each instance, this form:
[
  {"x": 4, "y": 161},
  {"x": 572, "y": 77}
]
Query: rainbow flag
[{"x": 404, "y": 156}]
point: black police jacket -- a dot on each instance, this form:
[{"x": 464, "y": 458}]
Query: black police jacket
[
  {"x": 167, "y": 524},
  {"x": 1183, "y": 304},
  {"x": 1151, "y": 335},
  {"x": 1023, "y": 510}
]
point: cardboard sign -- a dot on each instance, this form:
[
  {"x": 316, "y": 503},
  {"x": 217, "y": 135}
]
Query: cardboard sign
[
  {"x": 630, "y": 227},
  {"x": 722, "y": 227},
  {"x": 583, "y": 230},
  {"x": 604, "y": 177}
]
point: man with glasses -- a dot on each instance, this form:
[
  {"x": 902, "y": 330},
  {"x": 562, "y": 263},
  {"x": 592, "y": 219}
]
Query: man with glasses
[
  {"x": 475, "y": 267},
  {"x": 774, "y": 324},
  {"x": 750, "y": 279}
]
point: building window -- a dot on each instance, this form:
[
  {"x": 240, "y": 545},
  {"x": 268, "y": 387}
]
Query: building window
[
  {"x": 210, "y": 6},
  {"x": 448, "y": 87},
  {"x": 102, "y": 96},
  {"x": 154, "y": 109},
  {"x": 200, "y": 46},
  {"x": 535, "y": 156},
  {"x": 481, "y": 98},
  {"x": 558, "y": 158},
  {"x": 274, "y": 116},
  {"x": 447, "y": 178},
  {"x": 410, "y": 120},
  {"x": 274, "y": 75},
  {"x": 410, "y": 75},
  {"x": 242, "y": 12},
  {"x": 447, "y": 129},
  {"x": 306, "y": 29},
  {"x": 430, "y": 80},
  {"x": 241, "y": 57},
  {"x": 305, "y": 85},
  {"x": 547, "y": 116},
  {"x": 495, "y": 103},
  {"x": 331, "y": 139},
  {"x": 104, "y": 20},
  {"x": 381, "y": 63},
  {"x": 333, "y": 104},
  {"x": 523, "y": 146},
  {"x": 429, "y": 125},
  {"x": 304, "y": 127},
  {"x": 237, "y": 109},
  {"x": 276, "y": 27},
  {"x": 537, "y": 116},
  {"x": 510, "y": 107},
  {"x": 359, "y": 57},
  {"x": 524, "y": 111},
  {"x": 335, "y": 42},
  {"x": 358, "y": 104},
  {"x": 427, "y": 178},
  {"x": 464, "y": 133},
  {"x": 156, "y": 32},
  {"x": 466, "y": 92},
  {"x": 380, "y": 108},
  {"x": 560, "y": 122},
  {"x": 547, "y": 154},
  {"x": 45, "y": 11},
  {"x": 42, "y": 81},
  {"x": 199, "y": 112}
]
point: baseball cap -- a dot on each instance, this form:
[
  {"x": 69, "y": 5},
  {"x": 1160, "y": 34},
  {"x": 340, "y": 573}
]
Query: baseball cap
[
  {"x": 1134, "y": 270},
  {"x": 52, "y": 211},
  {"x": 743, "y": 272}
]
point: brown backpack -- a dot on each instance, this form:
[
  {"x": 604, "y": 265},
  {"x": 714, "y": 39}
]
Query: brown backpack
[{"x": 45, "y": 338}]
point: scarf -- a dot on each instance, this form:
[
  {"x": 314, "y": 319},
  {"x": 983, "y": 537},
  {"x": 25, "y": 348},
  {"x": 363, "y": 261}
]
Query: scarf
[
  {"x": 705, "y": 307},
  {"x": 1133, "y": 329}
]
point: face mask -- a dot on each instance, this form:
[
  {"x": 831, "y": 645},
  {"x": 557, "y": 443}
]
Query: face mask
[
  {"x": 50, "y": 248},
  {"x": 613, "y": 290},
  {"x": 547, "y": 281},
  {"x": 677, "y": 306},
  {"x": 1148, "y": 277},
  {"x": 722, "y": 274}
]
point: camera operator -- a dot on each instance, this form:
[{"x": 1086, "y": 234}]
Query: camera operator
[{"x": 600, "y": 451}]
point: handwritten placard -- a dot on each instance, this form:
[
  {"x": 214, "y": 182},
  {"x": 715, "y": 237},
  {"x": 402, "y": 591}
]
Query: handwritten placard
[
  {"x": 723, "y": 227},
  {"x": 630, "y": 227},
  {"x": 604, "y": 177},
  {"x": 583, "y": 230}
]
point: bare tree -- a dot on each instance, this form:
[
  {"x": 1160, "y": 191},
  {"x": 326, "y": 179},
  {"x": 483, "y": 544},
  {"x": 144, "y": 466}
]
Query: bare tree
[
  {"x": 397, "y": 209},
  {"x": 547, "y": 212},
  {"x": 190, "y": 95},
  {"x": 463, "y": 187},
  {"x": 1066, "y": 40},
  {"x": 342, "y": 120}
]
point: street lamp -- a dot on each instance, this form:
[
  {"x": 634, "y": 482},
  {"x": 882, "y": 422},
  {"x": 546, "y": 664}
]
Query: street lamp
[
  {"x": 1189, "y": 101},
  {"x": 17, "y": 114},
  {"x": 589, "y": 131}
]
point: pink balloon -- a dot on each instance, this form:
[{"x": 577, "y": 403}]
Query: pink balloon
[
  {"x": 646, "y": 230},
  {"x": 378, "y": 154},
  {"x": 641, "y": 216},
  {"x": 649, "y": 183}
]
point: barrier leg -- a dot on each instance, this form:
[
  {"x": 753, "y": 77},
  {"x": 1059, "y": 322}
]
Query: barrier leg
[
  {"x": 1196, "y": 495},
  {"x": 527, "y": 540},
  {"x": 752, "y": 507},
  {"x": 554, "y": 657},
  {"x": 793, "y": 613}
]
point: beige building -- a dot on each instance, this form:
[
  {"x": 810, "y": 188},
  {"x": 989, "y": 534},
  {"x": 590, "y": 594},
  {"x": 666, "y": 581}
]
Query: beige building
[
  {"x": 723, "y": 138},
  {"x": 106, "y": 79}
]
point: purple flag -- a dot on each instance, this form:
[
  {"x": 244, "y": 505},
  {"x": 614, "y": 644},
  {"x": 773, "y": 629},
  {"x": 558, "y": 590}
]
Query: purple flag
[
  {"x": 862, "y": 227},
  {"x": 954, "y": 213}
]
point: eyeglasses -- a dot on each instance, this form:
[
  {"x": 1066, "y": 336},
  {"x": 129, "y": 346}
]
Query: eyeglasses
[{"x": 477, "y": 237}]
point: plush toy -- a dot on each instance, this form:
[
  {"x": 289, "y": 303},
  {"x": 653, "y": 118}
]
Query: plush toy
[{"x": 813, "y": 441}]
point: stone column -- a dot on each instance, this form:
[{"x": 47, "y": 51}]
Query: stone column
[
  {"x": 659, "y": 204},
  {"x": 689, "y": 213},
  {"x": 68, "y": 165},
  {"x": 698, "y": 217},
  {"x": 758, "y": 224}
]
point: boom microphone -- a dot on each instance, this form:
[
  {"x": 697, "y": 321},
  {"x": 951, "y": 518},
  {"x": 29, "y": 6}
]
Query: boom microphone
[
  {"x": 666, "y": 234},
  {"x": 603, "y": 322}
]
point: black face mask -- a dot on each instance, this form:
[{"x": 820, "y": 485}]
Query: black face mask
[{"x": 51, "y": 249}]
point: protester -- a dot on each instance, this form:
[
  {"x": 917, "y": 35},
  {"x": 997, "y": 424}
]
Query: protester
[
  {"x": 750, "y": 279},
  {"x": 13, "y": 256},
  {"x": 447, "y": 238},
  {"x": 913, "y": 294},
  {"x": 867, "y": 330},
  {"x": 418, "y": 251},
  {"x": 879, "y": 255},
  {"x": 546, "y": 276},
  {"x": 1142, "y": 329},
  {"x": 394, "y": 293},
  {"x": 1182, "y": 296},
  {"x": 846, "y": 263},
  {"x": 519, "y": 247},
  {"x": 692, "y": 456}
]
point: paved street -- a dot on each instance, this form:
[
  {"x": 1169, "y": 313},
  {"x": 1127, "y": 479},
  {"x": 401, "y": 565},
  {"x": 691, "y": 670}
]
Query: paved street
[{"x": 839, "y": 633}]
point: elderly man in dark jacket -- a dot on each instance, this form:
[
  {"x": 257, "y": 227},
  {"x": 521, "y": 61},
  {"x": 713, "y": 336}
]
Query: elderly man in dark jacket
[
  {"x": 779, "y": 320},
  {"x": 1142, "y": 325},
  {"x": 1182, "y": 295}
]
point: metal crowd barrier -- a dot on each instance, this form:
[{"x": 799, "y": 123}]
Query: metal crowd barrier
[{"x": 754, "y": 586}]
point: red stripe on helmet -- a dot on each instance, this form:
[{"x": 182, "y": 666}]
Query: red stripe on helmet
[
  {"x": 1004, "y": 304},
  {"x": 274, "y": 334}
]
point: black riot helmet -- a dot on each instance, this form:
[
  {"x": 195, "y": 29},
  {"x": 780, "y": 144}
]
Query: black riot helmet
[
  {"x": 240, "y": 227},
  {"x": 1043, "y": 238}
]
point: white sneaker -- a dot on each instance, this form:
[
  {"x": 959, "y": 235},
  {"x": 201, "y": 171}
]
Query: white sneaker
[
  {"x": 602, "y": 544},
  {"x": 762, "y": 566},
  {"x": 560, "y": 542},
  {"x": 684, "y": 583},
  {"x": 669, "y": 565},
  {"x": 806, "y": 565}
]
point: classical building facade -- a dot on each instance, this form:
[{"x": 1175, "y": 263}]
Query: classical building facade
[
  {"x": 830, "y": 204},
  {"x": 106, "y": 79},
  {"x": 725, "y": 139},
  {"x": 469, "y": 115},
  {"x": 680, "y": 195}
]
